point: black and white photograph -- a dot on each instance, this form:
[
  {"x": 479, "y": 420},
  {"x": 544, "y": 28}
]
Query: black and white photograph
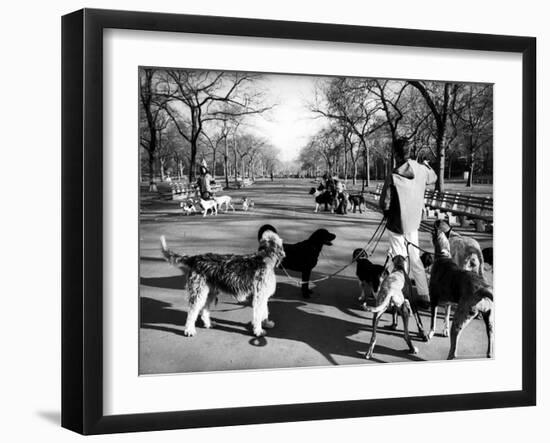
[{"x": 294, "y": 221}]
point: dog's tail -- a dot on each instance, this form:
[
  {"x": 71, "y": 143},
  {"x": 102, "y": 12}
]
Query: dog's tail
[
  {"x": 171, "y": 257},
  {"x": 381, "y": 307}
]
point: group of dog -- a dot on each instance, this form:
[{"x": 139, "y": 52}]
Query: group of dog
[
  {"x": 330, "y": 201},
  {"x": 456, "y": 278},
  {"x": 223, "y": 202}
]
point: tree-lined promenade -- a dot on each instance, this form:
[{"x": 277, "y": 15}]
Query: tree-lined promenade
[{"x": 189, "y": 117}]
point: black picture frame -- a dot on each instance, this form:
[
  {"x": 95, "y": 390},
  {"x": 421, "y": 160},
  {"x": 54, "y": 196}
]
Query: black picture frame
[{"x": 82, "y": 218}]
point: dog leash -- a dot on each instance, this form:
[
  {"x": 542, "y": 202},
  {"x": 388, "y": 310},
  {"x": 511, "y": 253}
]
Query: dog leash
[
  {"x": 409, "y": 243},
  {"x": 364, "y": 252}
]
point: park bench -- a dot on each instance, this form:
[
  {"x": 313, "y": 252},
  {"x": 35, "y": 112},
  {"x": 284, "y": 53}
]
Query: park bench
[
  {"x": 243, "y": 183},
  {"x": 177, "y": 190},
  {"x": 455, "y": 207},
  {"x": 459, "y": 208}
]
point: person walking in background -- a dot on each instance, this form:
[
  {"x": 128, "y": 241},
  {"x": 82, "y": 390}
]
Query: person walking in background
[
  {"x": 402, "y": 200},
  {"x": 204, "y": 183}
]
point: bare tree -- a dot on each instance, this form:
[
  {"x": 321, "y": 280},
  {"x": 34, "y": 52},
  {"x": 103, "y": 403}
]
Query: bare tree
[
  {"x": 195, "y": 97},
  {"x": 151, "y": 113},
  {"x": 441, "y": 99}
]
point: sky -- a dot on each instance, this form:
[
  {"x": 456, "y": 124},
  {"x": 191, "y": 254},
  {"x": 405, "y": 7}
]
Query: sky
[{"x": 290, "y": 124}]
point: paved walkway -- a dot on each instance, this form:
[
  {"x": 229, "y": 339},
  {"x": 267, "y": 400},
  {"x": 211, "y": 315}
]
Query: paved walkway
[{"x": 328, "y": 329}]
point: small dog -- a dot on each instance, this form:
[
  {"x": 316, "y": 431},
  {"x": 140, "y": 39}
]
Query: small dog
[
  {"x": 465, "y": 251},
  {"x": 188, "y": 207},
  {"x": 303, "y": 256},
  {"x": 224, "y": 200},
  {"x": 369, "y": 275},
  {"x": 208, "y": 205},
  {"x": 322, "y": 197},
  {"x": 396, "y": 291},
  {"x": 357, "y": 201},
  {"x": 449, "y": 284},
  {"x": 247, "y": 204},
  {"x": 246, "y": 277}
]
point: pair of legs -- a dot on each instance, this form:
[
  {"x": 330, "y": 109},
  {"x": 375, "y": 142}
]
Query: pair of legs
[
  {"x": 434, "y": 321},
  {"x": 405, "y": 311},
  {"x": 199, "y": 303},
  {"x": 417, "y": 272},
  {"x": 464, "y": 315}
]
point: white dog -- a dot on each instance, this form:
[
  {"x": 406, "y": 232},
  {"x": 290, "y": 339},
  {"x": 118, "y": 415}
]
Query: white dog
[
  {"x": 224, "y": 200},
  {"x": 207, "y": 205}
]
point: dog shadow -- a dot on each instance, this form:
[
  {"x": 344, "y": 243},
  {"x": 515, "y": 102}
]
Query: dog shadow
[
  {"x": 162, "y": 316},
  {"x": 331, "y": 336},
  {"x": 171, "y": 282}
]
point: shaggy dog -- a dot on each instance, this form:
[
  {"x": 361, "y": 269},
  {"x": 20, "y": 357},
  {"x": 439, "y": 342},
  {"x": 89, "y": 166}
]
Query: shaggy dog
[
  {"x": 247, "y": 204},
  {"x": 303, "y": 256},
  {"x": 396, "y": 291},
  {"x": 451, "y": 284},
  {"x": 322, "y": 197},
  {"x": 357, "y": 201},
  {"x": 465, "y": 251},
  {"x": 224, "y": 200},
  {"x": 208, "y": 205},
  {"x": 369, "y": 274},
  {"x": 188, "y": 207},
  {"x": 246, "y": 277}
]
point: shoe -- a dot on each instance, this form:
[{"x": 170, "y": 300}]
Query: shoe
[{"x": 268, "y": 324}]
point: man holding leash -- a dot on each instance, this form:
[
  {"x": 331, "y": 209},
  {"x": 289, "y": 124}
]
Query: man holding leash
[{"x": 402, "y": 200}]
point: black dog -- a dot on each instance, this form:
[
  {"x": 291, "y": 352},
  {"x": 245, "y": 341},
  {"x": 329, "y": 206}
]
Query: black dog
[
  {"x": 488, "y": 255},
  {"x": 357, "y": 201},
  {"x": 303, "y": 256},
  {"x": 368, "y": 273},
  {"x": 323, "y": 197}
]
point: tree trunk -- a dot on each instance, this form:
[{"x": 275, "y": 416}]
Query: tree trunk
[
  {"x": 225, "y": 161},
  {"x": 152, "y": 186},
  {"x": 439, "y": 186}
]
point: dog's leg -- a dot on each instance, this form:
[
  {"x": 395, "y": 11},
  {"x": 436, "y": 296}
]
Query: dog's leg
[
  {"x": 316, "y": 207},
  {"x": 306, "y": 292},
  {"x": 406, "y": 311},
  {"x": 393, "y": 325},
  {"x": 463, "y": 316},
  {"x": 447, "y": 320},
  {"x": 205, "y": 317},
  {"x": 418, "y": 320},
  {"x": 434, "y": 322},
  {"x": 198, "y": 296},
  {"x": 489, "y": 323},
  {"x": 259, "y": 313},
  {"x": 375, "y": 320}
]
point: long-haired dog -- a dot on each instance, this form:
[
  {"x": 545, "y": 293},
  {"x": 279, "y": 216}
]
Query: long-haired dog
[
  {"x": 449, "y": 284},
  {"x": 369, "y": 274},
  {"x": 303, "y": 256},
  {"x": 395, "y": 291},
  {"x": 224, "y": 200},
  {"x": 208, "y": 205},
  {"x": 465, "y": 251},
  {"x": 246, "y": 277},
  {"x": 322, "y": 197}
]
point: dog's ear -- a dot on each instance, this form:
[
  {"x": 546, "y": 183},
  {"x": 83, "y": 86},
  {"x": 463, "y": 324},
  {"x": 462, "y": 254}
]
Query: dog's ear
[{"x": 265, "y": 228}]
